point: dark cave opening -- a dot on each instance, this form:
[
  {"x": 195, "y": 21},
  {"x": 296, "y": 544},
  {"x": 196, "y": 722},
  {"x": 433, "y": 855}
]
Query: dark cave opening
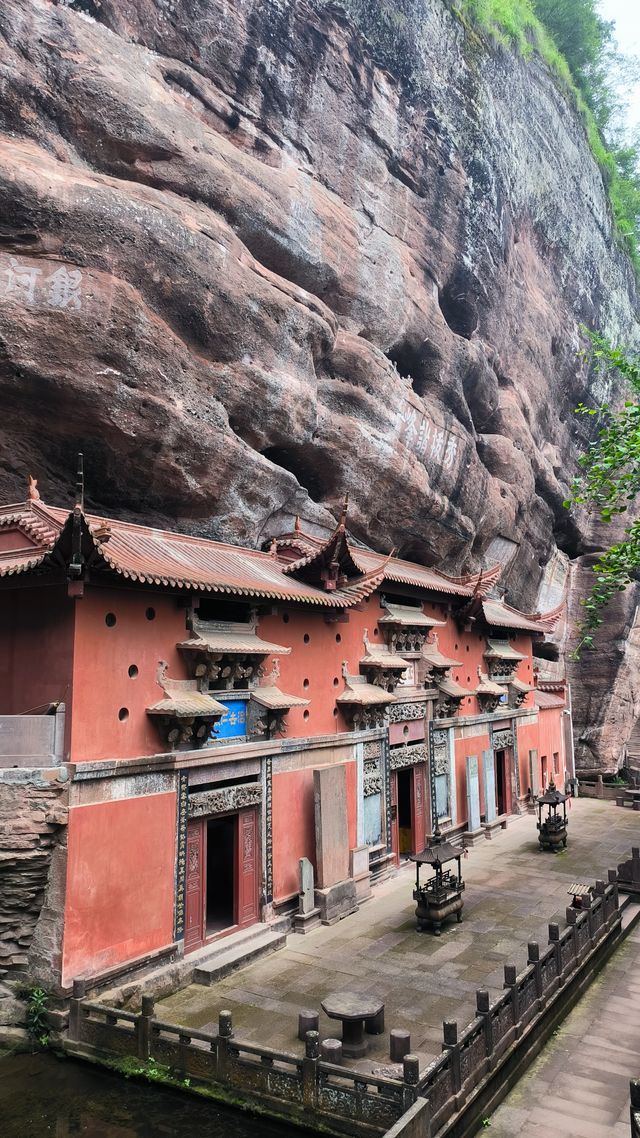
[
  {"x": 419, "y": 361},
  {"x": 314, "y": 467},
  {"x": 458, "y": 303}
]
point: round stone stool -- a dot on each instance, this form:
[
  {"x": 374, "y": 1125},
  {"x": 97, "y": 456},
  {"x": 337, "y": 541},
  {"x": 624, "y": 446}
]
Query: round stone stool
[
  {"x": 307, "y": 1021},
  {"x": 399, "y": 1044},
  {"x": 331, "y": 1051}
]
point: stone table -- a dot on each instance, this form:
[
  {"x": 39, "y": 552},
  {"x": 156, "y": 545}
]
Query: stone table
[{"x": 357, "y": 1014}]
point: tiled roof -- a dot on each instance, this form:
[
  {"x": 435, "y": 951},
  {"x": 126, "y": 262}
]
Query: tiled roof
[
  {"x": 545, "y": 699},
  {"x": 358, "y": 691},
  {"x": 431, "y": 580},
  {"x": 453, "y": 689},
  {"x": 221, "y": 637},
  {"x": 275, "y": 700},
  {"x": 379, "y": 656},
  {"x": 501, "y": 650},
  {"x": 182, "y": 698},
  {"x": 487, "y": 686},
  {"x": 408, "y": 617},
  {"x": 163, "y": 558},
  {"x": 500, "y": 615},
  {"x": 432, "y": 653}
]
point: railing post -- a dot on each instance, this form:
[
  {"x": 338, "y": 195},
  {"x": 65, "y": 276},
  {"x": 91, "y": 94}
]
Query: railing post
[
  {"x": 511, "y": 982},
  {"x": 411, "y": 1076},
  {"x": 612, "y": 876},
  {"x": 310, "y": 1070},
  {"x": 634, "y": 1110},
  {"x": 75, "y": 1010},
  {"x": 143, "y": 1027},
  {"x": 572, "y": 921},
  {"x": 533, "y": 958},
  {"x": 483, "y": 1009},
  {"x": 225, "y": 1033},
  {"x": 554, "y": 940},
  {"x": 450, "y": 1044}
]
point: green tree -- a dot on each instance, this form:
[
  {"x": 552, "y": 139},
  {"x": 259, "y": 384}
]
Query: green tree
[{"x": 610, "y": 483}]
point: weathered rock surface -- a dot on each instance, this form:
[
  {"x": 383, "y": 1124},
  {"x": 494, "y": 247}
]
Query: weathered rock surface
[
  {"x": 246, "y": 269},
  {"x": 33, "y": 818}
]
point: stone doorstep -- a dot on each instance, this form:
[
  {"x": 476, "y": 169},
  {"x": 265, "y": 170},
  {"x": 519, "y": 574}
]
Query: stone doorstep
[
  {"x": 235, "y": 951},
  {"x": 471, "y": 838},
  {"x": 499, "y": 823}
]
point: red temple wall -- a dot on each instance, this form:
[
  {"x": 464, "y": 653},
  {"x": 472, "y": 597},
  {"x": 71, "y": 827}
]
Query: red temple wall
[
  {"x": 36, "y": 648},
  {"x": 293, "y": 829},
  {"x": 319, "y": 661},
  {"x": 103, "y": 689},
  {"x": 293, "y": 824},
  {"x": 551, "y": 740},
  {"x": 120, "y": 882},
  {"x": 464, "y": 748},
  {"x": 528, "y": 740}
]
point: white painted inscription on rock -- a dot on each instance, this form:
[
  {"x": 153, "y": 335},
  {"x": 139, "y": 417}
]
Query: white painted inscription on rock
[{"x": 27, "y": 282}]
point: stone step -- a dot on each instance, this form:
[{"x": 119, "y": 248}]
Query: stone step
[
  {"x": 630, "y": 911},
  {"x": 236, "y": 951}
]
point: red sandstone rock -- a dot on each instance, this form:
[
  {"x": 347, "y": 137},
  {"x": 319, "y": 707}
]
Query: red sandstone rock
[{"x": 245, "y": 270}]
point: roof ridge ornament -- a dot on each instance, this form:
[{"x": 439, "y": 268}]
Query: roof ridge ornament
[{"x": 33, "y": 494}]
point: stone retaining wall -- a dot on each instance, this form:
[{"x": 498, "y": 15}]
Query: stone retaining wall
[{"x": 33, "y": 818}]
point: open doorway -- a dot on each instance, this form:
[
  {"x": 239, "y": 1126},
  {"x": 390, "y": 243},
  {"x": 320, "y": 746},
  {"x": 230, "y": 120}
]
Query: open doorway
[
  {"x": 502, "y": 793},
  {"x": 221, "y": 873},
  {"x": 405, "y": 830}
]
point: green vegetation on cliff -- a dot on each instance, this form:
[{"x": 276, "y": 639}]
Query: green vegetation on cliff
[
  {"x": 575, "y": 43},
  {"x": 578, "y": 46}
]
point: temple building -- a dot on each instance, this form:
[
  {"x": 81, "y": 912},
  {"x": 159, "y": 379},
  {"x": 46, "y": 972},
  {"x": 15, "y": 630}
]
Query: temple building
[{"x": 223, "y": 712}]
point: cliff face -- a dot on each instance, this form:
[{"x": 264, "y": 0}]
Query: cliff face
[{"x": 246, "y": 269}]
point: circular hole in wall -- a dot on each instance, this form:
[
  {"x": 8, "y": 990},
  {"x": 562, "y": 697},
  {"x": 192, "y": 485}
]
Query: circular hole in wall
[
  {"x": 123, "y": 714},
  {"x": 306, "y": 638},
  {"x": 467, "y": 647},
  {"x": 305, "y": 714},
  {"x": 336, "y": 681},
  {"x": 375, "y": 632},
  {"x": 335, "y": 712},
  {"x": 405, "y": 730},
  {"x": 468, "y": 679},
  {"x": 110, "y": 619},
  {"x": 285, "y": 618},
  {"x": 133, "y": 671},
  {"x": 150, "y": 613},
  {"x": 455, "y": 647},
  {"x": 338, "y": 638},
  {"x": 305, "y": 683}
]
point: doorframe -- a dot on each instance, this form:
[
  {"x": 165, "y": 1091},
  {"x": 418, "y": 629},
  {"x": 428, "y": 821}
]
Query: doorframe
[{"x": 202, "y": 822}]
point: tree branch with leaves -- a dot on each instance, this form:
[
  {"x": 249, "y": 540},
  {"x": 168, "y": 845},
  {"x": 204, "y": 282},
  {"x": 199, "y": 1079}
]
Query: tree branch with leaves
[{"x": 610, "y": 483}]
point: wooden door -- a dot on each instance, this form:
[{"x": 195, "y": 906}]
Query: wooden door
[
  {"x": 393, "y": 810},
  {"x": 418, "y": 822},
  {"x": 196, "y": 885},
  {"x": 247, "y": 863}
]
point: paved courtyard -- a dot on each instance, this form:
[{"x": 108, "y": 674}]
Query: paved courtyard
[{"x": 513, "y": 891}]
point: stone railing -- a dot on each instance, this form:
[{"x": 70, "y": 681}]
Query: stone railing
[
  {"x": 283, "y": 1084},
  {"x": 465, "y": 1077},
  {"x": 634, "y": 1110},
  {"x": 32, "y": 740}
]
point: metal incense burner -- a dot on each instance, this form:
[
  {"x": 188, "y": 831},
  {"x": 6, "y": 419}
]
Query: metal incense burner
[
  {"x": 552, "y": 830},
  {"x": 441, "y": 896}
]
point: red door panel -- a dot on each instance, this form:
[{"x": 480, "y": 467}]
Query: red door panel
[
  {"x": 247, "y": 862},
  {"x": 418, "y": 831},
  {"x": 194, "y": 916}
]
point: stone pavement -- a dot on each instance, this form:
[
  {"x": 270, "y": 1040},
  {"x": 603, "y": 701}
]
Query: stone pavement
[
  {"x": 579, "y": 1085},
  {"x": 513, "y": 891}
]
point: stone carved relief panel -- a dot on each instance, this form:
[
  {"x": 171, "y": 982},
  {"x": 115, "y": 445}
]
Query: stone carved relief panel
[
  {"x": 501, "y": 739},
  {"x": 408, "y": 755},
  {"x": 221, "y": 801},
  {"x": 399, "y": 712}
]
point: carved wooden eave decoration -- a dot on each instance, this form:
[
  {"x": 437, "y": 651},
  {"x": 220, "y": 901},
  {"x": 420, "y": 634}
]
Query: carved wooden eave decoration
[
  {"x": 450, "y": 696},
  {"x": 224, "y": 653},
  {"x": 382, "y": 667},
  {"x": 490, "y": 694},
  {"x": 185, "y": 716},
  {"x": 365, "y": 705},
  {"x": 435, "y": 664},
  {"x": 518, "y": 692},
  {"x": 272, "y": 705},
  {"x": 331, "y": 566},
  {"x": 502, "y": 660},
  {"x": 405, "y": 627}
]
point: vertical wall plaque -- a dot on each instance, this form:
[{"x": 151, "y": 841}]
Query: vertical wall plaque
[
  {"x": 268, "y": 828},
  {"x": 182, "y": 811},
  {"x": 386, "y": 774}
]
